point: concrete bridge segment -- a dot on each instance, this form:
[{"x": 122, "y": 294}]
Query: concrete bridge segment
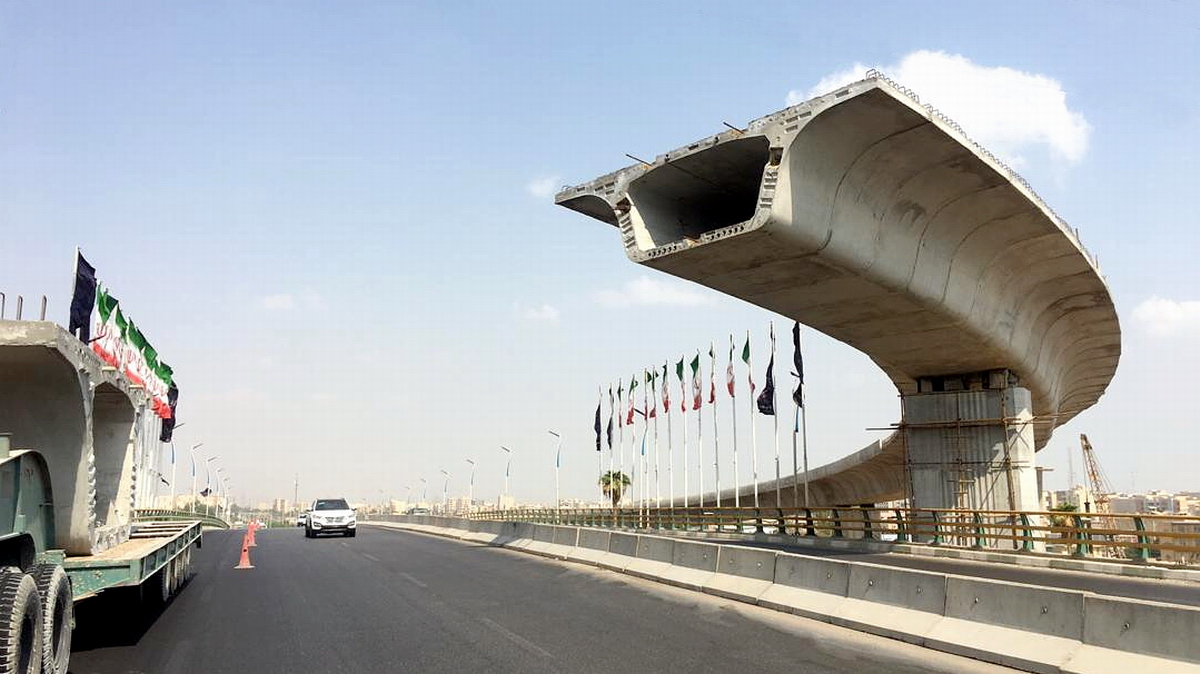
[
  {"x": 872, "y": 218},
  {"x": 58, "y": 398}
]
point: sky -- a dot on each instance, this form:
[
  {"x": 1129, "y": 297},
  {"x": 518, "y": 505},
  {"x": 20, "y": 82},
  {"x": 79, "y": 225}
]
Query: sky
[{"x": 336, "y": 220}]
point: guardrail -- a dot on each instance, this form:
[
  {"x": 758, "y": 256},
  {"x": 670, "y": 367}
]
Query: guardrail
[
  {"x": 159, "y": 514},
  {"x": 1140, "y": 538}
]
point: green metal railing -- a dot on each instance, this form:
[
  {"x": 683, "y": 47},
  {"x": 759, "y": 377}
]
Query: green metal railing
[
  {"x": 159, "y": 514},
  {"x": 1140, "y": 538}
]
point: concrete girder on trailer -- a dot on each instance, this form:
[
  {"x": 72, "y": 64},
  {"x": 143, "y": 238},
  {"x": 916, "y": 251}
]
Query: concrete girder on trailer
[
  {"x": 875, "y": 220},
  {"x": 59, "y": 398}
]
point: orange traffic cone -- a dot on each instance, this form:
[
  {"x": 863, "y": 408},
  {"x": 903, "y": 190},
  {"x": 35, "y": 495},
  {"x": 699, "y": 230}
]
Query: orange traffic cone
[
  {"x": 244, "y": 563},
  {"x": 250, "y": 536}
]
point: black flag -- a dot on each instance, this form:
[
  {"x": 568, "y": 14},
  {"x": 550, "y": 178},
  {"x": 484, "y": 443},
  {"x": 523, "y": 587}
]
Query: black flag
[
  {"x": 798, "y": 363},
  {"x": 597, "y": 426},
  {"x": 82, "y": 299},
  {"x": 766, "y": 399},
  {"x": 168, "y": 425}
]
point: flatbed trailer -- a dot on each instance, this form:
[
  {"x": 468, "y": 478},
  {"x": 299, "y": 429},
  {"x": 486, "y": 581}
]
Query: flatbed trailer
[{"x": 157, "y": 557}]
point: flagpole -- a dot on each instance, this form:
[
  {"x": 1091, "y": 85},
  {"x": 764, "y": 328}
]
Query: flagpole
[
  {"x": 620, "y": 444},
  {"x": 670, "y": 460},
  {"x": 647, "y": 396},
  {"x": 666, "y": 411},
  {"x": 737, "y": 492},
  {"x": 775, "y": 417},
  {"x": 686, "y": 467},
  {"x": 795, "y": 462},
  {"x": 753, "y": 426},
  {"x": 712, "y": 388},
  {"x": 700, "y": 430},
  {"x": 804, "y": 425}
]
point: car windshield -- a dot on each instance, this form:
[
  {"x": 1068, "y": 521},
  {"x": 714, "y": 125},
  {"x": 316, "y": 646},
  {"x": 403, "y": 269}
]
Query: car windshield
[{"x": 331, "y": 504}]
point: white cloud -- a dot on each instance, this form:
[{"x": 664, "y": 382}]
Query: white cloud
[
  {"x": 280, "y": 302},
  {"x": 543, "y": 187},
  {"x": 1005, "y": 110},
  {"x": 543, "y": 314},
  {"x": 290, "y": 302},
  {"x": 646, "y": 292},
  {"x": 1165, "y": 317}
]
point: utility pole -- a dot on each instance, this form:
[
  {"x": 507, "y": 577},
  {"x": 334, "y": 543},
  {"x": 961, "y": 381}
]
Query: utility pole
[{"x": 296, "y": 491}]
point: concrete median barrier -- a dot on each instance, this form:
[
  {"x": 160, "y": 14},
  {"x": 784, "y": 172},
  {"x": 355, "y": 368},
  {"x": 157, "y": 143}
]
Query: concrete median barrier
[
  {"x": 807, "y": 586},
  {"x": 655, "y": 555},
  {"x": 622, "y": 548},
  {"x": 484, "y": 531},
  {"x": 591, "y": 546},
  {"x": 693, "y": 564},
  {"x": 514, "y": 535},
  {"x": 1022, "y": 626},
  {"x": 1138, "y": 627},
  {"x": 1038, "y": 629},
  {"x": 546, "y": 537},
  {"x": 898, "y": 603},
  {"x": 743, "y": 573},
  {"x": 566, "y": 537}
]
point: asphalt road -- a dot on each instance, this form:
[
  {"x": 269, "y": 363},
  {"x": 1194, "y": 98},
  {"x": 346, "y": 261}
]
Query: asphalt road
[{"x": 394, "y": 601}]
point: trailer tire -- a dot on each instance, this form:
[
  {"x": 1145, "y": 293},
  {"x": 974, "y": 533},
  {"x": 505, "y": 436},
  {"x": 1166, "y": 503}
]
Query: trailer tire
[
  {"x": 20, "y": 625},
  {"x": 58, "y": 616}
]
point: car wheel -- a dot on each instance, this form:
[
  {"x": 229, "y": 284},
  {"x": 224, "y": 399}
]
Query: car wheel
[{"x": 350, "y": 534}]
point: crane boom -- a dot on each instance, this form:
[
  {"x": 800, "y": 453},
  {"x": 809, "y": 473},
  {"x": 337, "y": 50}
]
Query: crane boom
[{"x": 1097, "y": 481}]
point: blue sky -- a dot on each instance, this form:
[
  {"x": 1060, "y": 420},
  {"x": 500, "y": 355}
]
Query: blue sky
[{"x": 333, "y": 219}]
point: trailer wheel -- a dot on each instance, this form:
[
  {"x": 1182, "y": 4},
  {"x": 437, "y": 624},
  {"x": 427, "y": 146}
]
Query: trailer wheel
[
  {"x": 20, "y": 625},
  {"x": 58, "y": 616}
]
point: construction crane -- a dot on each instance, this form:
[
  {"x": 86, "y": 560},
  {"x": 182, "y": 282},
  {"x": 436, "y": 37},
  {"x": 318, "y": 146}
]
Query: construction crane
[
  {"x": 1098, "y": 485},
  {"x": 1099, "y": 490}
]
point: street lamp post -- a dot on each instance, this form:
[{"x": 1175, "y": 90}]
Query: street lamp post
[
  {"x": 557, "y": 467},
  {"x": 221, "y": 488},
  {"x": 471, "y": 487},
  {"x": 446, "y": 493},
  {"x": 208, "y": 481},
  {"x": 424, "y": 491},
  {"x": 192, "y": 452},
  {"x": 507, "y": 470}
]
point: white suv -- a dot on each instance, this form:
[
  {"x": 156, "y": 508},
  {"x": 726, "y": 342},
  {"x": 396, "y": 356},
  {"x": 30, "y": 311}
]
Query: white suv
[{"x": 330, "y": 515}]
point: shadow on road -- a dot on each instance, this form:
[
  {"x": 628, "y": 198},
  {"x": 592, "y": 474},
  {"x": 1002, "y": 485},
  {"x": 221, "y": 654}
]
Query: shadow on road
[{"x": 116, "y": 617}]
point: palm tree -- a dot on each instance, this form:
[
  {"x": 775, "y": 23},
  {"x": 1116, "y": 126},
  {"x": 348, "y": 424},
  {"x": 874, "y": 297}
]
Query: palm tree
[{"x": 613, "y": 484}]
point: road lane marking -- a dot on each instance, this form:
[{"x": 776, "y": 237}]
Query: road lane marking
[
  {"x": 517, "y": 638},
  {"x": 412, "y": 580},
  {"x": 371, "y": 557}
]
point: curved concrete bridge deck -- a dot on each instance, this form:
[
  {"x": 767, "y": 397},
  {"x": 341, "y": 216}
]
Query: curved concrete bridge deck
[{"x": 873, "y": 219}]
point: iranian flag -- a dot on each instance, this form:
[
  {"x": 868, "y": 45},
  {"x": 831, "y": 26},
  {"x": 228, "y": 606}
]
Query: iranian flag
[
  {"x": 119, "y": 343},
  {"x": 682, "y": 386},
  {"x": 729, "y": 370},
  {"x": 665, "y": 395},
  {"x": 632, "y": 386},
  {"x": 712, "y": 376},
  {"x": 107, "y": 338},
  {"x": 651, "y": 385},
  {"x": 746, "y": 360},
  {"x": 697, "y": 393}
]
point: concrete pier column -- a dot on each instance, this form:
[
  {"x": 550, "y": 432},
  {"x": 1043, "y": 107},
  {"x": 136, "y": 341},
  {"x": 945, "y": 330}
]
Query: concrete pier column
[{"x": 970, "y": 442}]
